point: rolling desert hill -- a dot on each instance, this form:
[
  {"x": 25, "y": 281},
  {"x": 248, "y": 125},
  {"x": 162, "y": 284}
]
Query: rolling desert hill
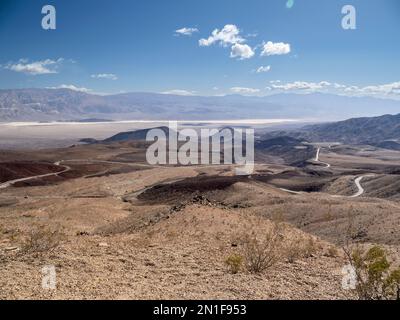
[
  {"x": 392, "y": 145},
  {"x": 134, "y": 135}
]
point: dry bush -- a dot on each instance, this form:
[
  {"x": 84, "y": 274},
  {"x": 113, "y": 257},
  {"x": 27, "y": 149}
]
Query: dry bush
[
  {"x": 261, "y": 254},
  {"x": 310, "y": 247},
  {"x": 299, "y": 247},
  {"x": 43, "y": 239},
  {"x": 293, "y": 250},
  {"x": 234, "y": 263},
  {"x": 332, "y": 252}
]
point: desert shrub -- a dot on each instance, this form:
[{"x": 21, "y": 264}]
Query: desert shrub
[
  {"x": 375, "y": 277},
  {"x": 43, "y": 239},
  {"x": 299, "y": 247},
  {"x": 333, "y": 252},
  {"x": 310, "y": 247},
  {"x": 261, "y": 254},
  {"x": 392, "y": 285},
  {"x": 293, "y": 250},
  {"x": 234, "y": 263}
]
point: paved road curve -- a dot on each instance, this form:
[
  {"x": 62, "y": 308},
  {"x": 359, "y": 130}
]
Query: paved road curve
[
  {"x": 361, "y": 190},
  {"x": 357, "y": 181},
  {"x": 11, "y": 182},
  {"x": 317, "y": 159}
]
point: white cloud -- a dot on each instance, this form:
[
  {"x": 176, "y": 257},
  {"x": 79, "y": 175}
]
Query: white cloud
[
  {"x": 47, "y": 66},
  {"x": 351, "y": 89},
  {"x": 71, "y": 87},
  {"x": 241, "y": 51},
  {"x": 179, "y": 92},
  {"x": 339, "y": 86},
  {"x": 245, "y": 91},
  {"x": 186, "y": 31},
  {"x": 389, "y": 90},
  {"x": 229, "y": 35},
  {"x": 277, "y": 48},
  {"x": 252, "y": 35},
  {"x": 263, "y": 69},
  {"x": 300, "y": 86},
  {"x": 383, "y": 90},
  {"x": 109, "y": 76}
]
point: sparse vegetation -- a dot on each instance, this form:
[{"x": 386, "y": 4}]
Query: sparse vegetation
[
  {"x": 42, "y": 239},
  {"x": 234, "y": 263},
  {"x": 293, "y": 250},
  {"x": 261, "y": 254},
  {"x": 375, "y": 277},
  {"x": 310, "y": 247},
  {"x": 299, "y": 247},
  {"x": 333, "y": 252}
]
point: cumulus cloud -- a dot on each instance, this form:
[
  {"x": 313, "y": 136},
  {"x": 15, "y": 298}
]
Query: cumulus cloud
[
  {"x": 278, "y": 48},
  {"x": 229, "y": 35},
  {"x": 71, "y": 87},
  {"x": 186, "y": 31},
  {"x": 244, "y": 91},
  {"x": 241, "y": 51},
  {"x": 179, "y": 92},
  {"x": 263, "y": 69},
  {"x": 47, "y": 66},
  {"x": 109, "y": 76}
]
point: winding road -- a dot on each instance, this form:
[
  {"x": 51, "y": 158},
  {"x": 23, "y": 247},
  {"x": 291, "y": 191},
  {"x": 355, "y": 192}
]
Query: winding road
[
  {"x": 357, "y": 181},
  {"x": 327, "y": 165},
  {"x": 7, "y": 184}
]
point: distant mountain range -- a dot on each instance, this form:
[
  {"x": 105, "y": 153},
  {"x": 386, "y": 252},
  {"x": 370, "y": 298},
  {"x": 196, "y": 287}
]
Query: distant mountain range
[
  {"x": 67, "y": 105},
  {"x": 382, "y": 131}
]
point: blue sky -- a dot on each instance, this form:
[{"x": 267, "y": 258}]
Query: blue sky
[{"x": 125, "y": 45}]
